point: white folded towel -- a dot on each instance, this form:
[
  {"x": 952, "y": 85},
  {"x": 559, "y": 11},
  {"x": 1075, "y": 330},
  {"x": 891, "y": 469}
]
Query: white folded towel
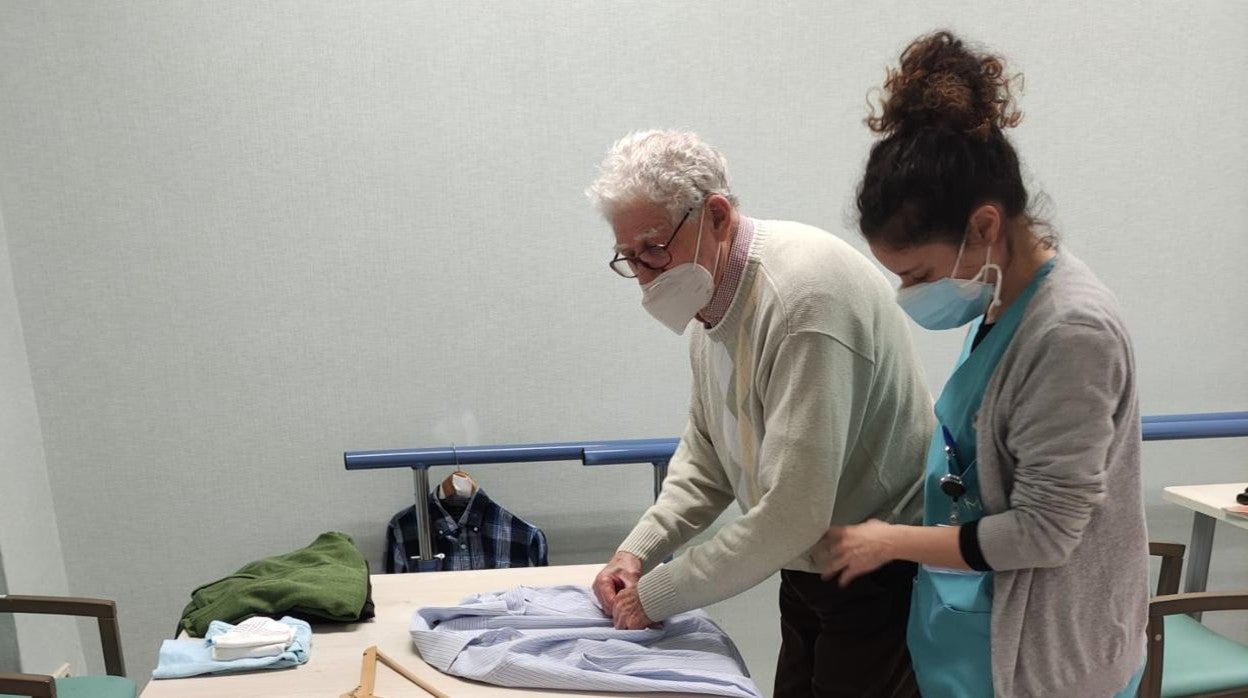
[{"x": 254, "y": 637}]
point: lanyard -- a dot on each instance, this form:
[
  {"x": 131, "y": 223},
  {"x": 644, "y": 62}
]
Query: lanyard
[{"x": 951, "y": 482}]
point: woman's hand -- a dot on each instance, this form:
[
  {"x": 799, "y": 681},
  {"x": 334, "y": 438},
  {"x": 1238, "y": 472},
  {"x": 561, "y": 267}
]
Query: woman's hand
[{"x": 852, "y": 551}]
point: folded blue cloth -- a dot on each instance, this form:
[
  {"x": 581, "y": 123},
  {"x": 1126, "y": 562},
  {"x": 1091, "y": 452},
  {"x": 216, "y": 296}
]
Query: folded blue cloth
[{"x": 182, "y": 658}]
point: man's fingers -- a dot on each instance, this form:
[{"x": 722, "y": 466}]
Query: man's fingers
[
  {"x": 628, "y": 621},
  {"x": 601, "y": 585},
  {"x": 604, "y": 589}
]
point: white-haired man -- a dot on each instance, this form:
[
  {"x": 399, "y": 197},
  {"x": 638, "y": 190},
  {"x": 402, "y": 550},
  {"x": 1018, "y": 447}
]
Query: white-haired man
[{"x": 808, "y": 407}]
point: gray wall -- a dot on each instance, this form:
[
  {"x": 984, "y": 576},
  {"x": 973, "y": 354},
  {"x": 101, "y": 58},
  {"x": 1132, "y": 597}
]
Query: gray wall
[
  {"x": 31, "y": 561},
  {"x": 10, "y": 660},
  {"x": 247, "y": 237}
]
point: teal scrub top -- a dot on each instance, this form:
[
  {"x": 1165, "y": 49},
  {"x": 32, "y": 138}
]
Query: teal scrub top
[{"x": 949, "y": 631}]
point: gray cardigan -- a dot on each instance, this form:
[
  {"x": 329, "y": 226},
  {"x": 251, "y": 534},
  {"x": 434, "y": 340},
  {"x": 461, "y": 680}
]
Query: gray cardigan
[{"x": 1059, "y": 471}]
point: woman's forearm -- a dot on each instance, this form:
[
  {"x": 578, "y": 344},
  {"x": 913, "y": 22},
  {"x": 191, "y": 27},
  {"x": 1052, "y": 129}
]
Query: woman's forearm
[{"x": 926, "y": 545}]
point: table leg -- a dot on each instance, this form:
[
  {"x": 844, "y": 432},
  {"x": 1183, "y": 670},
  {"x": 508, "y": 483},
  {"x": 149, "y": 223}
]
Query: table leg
[{"x": 1198, "y": 552}]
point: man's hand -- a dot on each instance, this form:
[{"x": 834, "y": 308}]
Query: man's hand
[
  {"x": 621, "y": 573},
  {"x": 629, "y": 615}
]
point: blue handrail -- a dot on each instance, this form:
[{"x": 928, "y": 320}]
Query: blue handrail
[
  {"x": 1195, "y": 429},
  {"x": 1163, "y": 427},
  {"x": 617, "y": 452},
  {"x": 657, "y": 452},
  {"x": 463, "y": 455},
  {"x": 1197, "y": 417}
]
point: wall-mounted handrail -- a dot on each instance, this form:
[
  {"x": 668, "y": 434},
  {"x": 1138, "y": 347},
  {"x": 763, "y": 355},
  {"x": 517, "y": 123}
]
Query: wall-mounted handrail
[
  {"x": 657, "y": 452},
  {"x": 1195, "y": 417},
  {"x": 630, "y": 452},
  {"x": 464, "y": 455},
  {"x": 1169, "y": 427}
]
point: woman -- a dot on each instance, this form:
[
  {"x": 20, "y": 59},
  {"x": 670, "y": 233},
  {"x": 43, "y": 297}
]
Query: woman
[{"x": 1033, "y": 557}]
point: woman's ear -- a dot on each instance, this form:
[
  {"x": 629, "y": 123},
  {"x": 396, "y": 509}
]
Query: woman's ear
[{"x": 985, "y": 226}]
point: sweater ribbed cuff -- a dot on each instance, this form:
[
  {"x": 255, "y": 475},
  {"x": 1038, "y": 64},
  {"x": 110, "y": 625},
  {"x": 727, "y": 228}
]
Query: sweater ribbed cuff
[
  {"x": 647, "y": 544},
  {"x": 658, "y": 594},
  {"x": 968, "y": 545}
]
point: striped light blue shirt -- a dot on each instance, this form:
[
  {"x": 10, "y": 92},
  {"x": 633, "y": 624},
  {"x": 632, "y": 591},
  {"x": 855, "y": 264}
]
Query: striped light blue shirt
[{"x": 559, "y": 638}]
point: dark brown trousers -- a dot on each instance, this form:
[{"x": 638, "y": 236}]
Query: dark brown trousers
[{"x": 849, "y": 642}]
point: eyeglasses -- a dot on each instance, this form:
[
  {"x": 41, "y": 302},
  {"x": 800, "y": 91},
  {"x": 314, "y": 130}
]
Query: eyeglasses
[{"x": 654, "y": 257}]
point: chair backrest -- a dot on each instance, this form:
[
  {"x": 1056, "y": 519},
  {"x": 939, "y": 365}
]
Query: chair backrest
[
  {"x": 34, "y": 685},
  {"x": 103, "y": 610},
  {"x": 1173, "y": 603},
  {"x": 1177, "y": 604},
  {"x": 1171, "y": 555}
]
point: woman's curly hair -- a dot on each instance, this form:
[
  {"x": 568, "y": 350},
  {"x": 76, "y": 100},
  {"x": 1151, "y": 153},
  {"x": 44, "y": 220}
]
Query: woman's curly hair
[{"x": 942, "y": 113}]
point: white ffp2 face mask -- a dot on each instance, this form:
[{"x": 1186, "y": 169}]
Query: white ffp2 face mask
[
  {"x": 948, "y": 303},
  {"x": 676, "y": 296}
]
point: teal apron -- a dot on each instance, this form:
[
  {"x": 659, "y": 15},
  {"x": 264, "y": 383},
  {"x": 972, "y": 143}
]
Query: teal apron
[{"x": 951, "y": 610}]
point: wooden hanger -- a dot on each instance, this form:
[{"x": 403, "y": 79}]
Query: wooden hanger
[
  {"x": 368, "y": 676},
  {"x": 447, "y": 488},
  {"x": 448, "y": 485}
]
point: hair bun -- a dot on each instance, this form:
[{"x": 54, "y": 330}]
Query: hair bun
[{"x": 941, "y": 84}]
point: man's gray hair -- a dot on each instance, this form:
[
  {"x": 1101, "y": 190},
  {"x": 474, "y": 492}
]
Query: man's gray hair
[{"x": 673, "y": 169}]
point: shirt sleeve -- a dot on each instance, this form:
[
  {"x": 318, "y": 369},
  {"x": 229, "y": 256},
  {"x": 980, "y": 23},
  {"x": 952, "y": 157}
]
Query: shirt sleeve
[{"x": 537, "y": 548}]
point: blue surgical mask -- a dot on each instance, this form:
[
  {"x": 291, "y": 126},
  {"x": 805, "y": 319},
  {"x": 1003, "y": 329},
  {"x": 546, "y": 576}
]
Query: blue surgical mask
[{"x": 948, "y": 303}]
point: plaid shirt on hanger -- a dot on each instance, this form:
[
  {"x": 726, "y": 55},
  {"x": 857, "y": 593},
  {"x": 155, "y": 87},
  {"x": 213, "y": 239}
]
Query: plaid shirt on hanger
[{"x": 473, "y": 533}]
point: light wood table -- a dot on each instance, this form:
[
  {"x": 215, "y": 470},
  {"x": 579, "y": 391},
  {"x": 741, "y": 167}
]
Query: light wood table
[
  {"x": 333, "y": 666},
  {"x": 1207, "y": 501}
]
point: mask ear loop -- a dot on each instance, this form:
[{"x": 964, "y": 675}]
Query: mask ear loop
[
  {"x": 957, "y": 261},
  {"x": 717, "y": 251},
  {"x": 996, "y": 287},
  {"x": 698, "y": 245},
  {"x": 982, "y": 274}
]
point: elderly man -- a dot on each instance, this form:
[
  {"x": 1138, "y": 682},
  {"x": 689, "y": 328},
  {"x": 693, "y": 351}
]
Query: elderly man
[{"x": 808, "y": 407}]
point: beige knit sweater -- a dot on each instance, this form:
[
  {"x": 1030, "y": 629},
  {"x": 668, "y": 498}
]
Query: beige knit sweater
[{"x": 808, "y": 407}]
